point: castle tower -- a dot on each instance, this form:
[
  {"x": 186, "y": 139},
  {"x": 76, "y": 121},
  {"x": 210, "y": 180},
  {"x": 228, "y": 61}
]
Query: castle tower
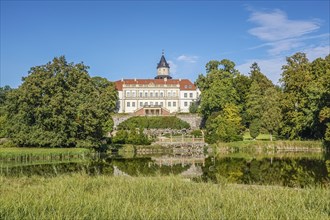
[{"x": 163, "y": 69}]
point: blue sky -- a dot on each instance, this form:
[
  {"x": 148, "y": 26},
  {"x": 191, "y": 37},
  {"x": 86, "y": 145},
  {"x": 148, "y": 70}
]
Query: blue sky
[{"x": 124, "y": 39}]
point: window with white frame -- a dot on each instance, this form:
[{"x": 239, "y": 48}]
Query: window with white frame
[
  {"x": 169, "y": 104},
  {"x": 174, "y": 104},
  {"x": 161, "y": 94},
  {"x": 185, "y": 95},
  {"x": 141, "y": 94},
  {"x": 141, "y": 104},
  {"x": 191, "y": 95},
  {"x": 133, "y": 104},
  {"x": 128, "y": 104},
  {"x": 146, "y": 94},
  {"x": 185, "y": 104},
  {"x": 128, "y": 94}
]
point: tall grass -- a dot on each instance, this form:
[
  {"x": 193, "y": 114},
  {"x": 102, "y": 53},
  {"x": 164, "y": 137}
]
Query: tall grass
[
  {"x": 20, "y": 151},
  {"x": 103, "y": 197},
  {"x": 281, "y": 145}
]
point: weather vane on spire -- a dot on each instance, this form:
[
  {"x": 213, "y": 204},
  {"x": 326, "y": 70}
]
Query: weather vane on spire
[{"x": 162, "y": 51}]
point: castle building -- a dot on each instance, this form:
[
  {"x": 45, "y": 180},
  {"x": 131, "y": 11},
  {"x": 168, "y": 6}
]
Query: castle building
[{"x": 159, "y": 96}]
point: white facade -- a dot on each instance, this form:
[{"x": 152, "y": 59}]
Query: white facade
[
  {"x": 163, "y": 92},
  {"x": 132, "y": 97}
]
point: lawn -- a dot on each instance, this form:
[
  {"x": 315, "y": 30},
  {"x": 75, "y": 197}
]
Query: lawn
[{"x": 247, "y": 136}]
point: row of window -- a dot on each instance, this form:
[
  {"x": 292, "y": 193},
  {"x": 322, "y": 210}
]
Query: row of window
[
  {"x": 150, "y": 94},
  {"x": 169, "y": 104},
  {"x": 156, "y": 94},
  {"x": 186, "y": 95}
]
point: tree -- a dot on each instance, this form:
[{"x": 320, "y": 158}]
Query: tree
[
  {"x": 193, "y": 108},
  {"x": 257, "y": 76},
  {"x": 271, "y": 117},
  {"x": 220, "y": 90},
  {"x": 255, "y": 129},
  {"x": 59, "y": 105},
  {"x": 3, "y": 118},
  {"x": 226, "y": 126},
  {"x": 242, "y": 85},
  {"x": 212, "y": 65},
  {"x": 302, "y": 96},
  {"x": 254, "y": 102}
]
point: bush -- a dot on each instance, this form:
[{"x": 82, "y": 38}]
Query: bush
[
  {"x": 197, "y": 133},
  {"x": 154, "y": 122},
  {"x": 131, "y": 137}
]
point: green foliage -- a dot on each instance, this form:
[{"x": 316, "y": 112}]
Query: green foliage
[
  {"x": 59, "y": 105},
  {"x": 131, "y": 137},
  {"x": 4, "y": 91},
  {"x": 224, "y": 126},
  {"x": 254, "y": 102},
  {"x": 197, "y": 133},
  {"x": 271, "y": 117},
  {"x": 193, "y": 108},
  {"x": 306, "y": 92},
  {"x": 242, "y": 85},
  {"x": 218, "y": 88},
  {"x": 297, "y": 110},
  {"x": 3, "y": 124},
  {"x": 255, "y": 128},
  {"x": 156, "y": 122}
]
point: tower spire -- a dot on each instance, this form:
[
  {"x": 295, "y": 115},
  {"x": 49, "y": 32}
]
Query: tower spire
[{"x": 163, "y": 68}]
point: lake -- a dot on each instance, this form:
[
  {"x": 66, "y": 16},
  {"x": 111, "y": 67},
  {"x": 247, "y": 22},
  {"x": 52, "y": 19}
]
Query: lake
[{"x": 286, "y": 169}]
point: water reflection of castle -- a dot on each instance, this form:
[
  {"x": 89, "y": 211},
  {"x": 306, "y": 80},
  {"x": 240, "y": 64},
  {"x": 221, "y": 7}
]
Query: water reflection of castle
[{"x": 183, "y": 160}]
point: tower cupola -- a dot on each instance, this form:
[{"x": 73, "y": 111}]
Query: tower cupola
[{"x": 163, "y": 68}]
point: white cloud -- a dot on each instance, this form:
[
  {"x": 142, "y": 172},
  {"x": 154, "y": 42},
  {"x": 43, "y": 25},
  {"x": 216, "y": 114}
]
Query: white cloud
[
  {"x": 316, "y": 52},
  {"x": 189, "y": 59},
  {"x": 173, "y": 67},
  {"x": 276, "y": 26},
  {"x": 272, "y": 67},
  {"x": 282, "y": 34}
]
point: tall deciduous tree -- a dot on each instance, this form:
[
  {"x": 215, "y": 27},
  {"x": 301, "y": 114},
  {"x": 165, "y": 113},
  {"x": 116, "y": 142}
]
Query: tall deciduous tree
[
  {"x": 218, "y": 88},
  {"x": 3, "y": 118},
  {"x": 228, "y": 124},
  {"x": 59, "y": 105},
  {"x": 297, "y": 111},
  {"x": 271, "y": 117}
]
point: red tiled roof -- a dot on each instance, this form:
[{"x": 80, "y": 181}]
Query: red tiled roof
[{"x": 185, "y": 84}]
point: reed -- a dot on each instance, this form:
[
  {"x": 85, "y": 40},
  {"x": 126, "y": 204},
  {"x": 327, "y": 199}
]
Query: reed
[{"x": 105, "y": 197}]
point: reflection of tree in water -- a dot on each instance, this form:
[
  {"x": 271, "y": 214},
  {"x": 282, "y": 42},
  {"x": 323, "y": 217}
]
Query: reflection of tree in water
[
  {"x": 146, "y": 167},
  {"x": 50, "y": 169},
  {"x": 275, "y": 171}
]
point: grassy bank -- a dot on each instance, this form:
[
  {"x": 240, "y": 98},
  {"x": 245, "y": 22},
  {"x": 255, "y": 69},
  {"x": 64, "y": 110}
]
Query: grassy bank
[
  {"x": 102, "y": 197},
  {"x": 281, "y": 145},
  {"x": 14, "y": 152}
]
